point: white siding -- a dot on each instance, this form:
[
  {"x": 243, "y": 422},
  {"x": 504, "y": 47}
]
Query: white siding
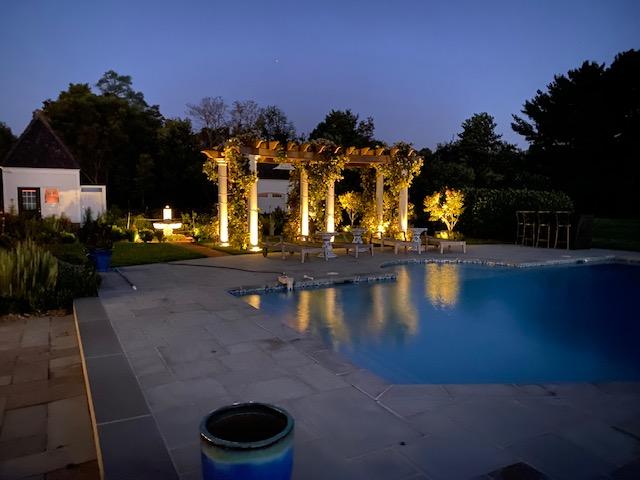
[
  {"x": 93, "y": 197},
  {"x": 66, "y": 181},
  {"x": 272, "y": 194}
]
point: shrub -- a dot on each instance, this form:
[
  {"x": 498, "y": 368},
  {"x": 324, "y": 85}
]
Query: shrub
[
  {"x": 73, "y": 281},
  {"x": 146, "y": 235},
  {"x": 7, "y": 241},
  {"x": 118, "y": 233},
  {"x": 491, "y": 213},
  {"x": 28, "y": 274},
  {"x": 48, "y": 230},
  {"x": 131, "y": 234},
  {"x": 159, "y": 234},
  {"x": 141, "y": 223},
  {"x": 202, "y": 228},
  {"x": 97, "y": 233}
]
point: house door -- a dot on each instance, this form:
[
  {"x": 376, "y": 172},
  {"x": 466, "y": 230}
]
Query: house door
[{"x": 29, "y": 201}]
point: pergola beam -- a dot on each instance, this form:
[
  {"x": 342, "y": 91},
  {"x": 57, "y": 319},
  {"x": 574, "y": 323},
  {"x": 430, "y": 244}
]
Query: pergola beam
[{"x": 270, "y": 152}]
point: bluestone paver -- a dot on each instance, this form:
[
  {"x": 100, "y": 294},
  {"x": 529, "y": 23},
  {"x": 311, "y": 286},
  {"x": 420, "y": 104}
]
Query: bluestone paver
[{"x": 193, "y": 347}]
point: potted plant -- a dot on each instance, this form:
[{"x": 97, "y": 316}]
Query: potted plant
[{"x": 98, "y": 237}]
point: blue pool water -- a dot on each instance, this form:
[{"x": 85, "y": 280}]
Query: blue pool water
[{"x": 476, "y": 324}]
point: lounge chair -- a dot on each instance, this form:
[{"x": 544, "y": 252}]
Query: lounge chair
[
  {"x": 441, "y": 243},
  {"x": 357, "y": 247},
  {"x": 397, "y": 244},
  {"x": 305, "y": 249}
]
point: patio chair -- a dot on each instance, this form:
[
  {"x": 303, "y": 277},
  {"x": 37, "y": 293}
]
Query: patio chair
[
  {"x": 563, "y": 223},
  {"x": 528, "y": 227},
  {"x": 544, "y": 226},
  {"x": 519, "y": 226}
]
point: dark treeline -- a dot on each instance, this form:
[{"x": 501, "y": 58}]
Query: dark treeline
[{"x": 583, "y": 132}]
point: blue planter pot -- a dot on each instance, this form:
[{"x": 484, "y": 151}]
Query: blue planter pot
[
  {"x": 247, "y": 441},
  {"x": 101, "y": 259}
]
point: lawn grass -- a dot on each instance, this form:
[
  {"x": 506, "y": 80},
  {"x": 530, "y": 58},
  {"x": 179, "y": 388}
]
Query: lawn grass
[
  {"x": 616, "y": 233},
  {"x": 125, "y": 253},
  {"x": 69, "y": 252}
]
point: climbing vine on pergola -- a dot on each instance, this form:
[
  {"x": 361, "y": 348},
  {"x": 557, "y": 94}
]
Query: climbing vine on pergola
[{"x": 318, "y": 165}]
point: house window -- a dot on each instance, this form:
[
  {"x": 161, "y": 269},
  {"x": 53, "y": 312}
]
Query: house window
[
  {"x": 29, "y": 200},
  {"x": 51, "y": 196}
]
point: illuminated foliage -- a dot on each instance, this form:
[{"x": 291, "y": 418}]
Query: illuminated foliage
[
  {"x": 445, "y": 207},
  {"x": 404, "y": 165},
  {"x": 352, "y": 203},
  {"x": 239, "y": 181}
]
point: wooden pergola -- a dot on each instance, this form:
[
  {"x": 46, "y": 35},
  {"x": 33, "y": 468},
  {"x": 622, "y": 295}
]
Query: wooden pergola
[{"x": 263, "y": 151}]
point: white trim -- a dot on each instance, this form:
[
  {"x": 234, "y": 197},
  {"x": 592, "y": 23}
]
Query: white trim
[{"x": 43, "y": 170}]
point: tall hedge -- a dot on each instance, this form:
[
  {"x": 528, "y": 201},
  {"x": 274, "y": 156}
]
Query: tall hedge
[{"x": 491, "y": 213}]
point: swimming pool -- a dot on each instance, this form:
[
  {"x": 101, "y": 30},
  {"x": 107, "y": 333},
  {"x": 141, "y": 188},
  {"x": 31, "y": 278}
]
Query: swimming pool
[{"x": 450, "y": 323}]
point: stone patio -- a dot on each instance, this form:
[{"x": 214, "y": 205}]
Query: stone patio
[
  {"x": 44, "y": 417},
  {"x": 189, "y": 347}
]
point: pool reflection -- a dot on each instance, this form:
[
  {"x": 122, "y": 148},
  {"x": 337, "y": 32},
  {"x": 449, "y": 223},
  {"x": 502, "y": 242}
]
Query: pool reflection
[
  {"x": 450, "y": 323},
  {"x": 383, "y": 315},
  {"x": 442, "y": 284},
  {"x": 330, "y": 313}
]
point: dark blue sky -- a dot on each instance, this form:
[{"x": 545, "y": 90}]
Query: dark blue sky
[{"x": 418, "y": 67}]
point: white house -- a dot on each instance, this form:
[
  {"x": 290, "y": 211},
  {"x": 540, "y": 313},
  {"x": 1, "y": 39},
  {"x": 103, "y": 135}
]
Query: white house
[
  {"x": 273, "y": 187},
  {"x": 41, "y": 177}
]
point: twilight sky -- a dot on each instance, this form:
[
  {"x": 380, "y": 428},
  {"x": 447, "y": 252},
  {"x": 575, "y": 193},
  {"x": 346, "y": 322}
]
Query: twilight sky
[{"x": 418, "y": 67}]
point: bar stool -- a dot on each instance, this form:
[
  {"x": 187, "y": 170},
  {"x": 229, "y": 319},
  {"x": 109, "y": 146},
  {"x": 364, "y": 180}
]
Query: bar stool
[
  {"x": 544, "y": 224},
  {"x": 519, "y": 226},
  {"x": 529, "y": 227},
  {"x": 563, "y": 222}
]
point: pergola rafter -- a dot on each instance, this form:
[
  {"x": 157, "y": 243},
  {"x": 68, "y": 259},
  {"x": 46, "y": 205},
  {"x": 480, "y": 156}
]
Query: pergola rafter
[
  {"x": 274, "y": 152},
  {"x": 269, "y": 151}
]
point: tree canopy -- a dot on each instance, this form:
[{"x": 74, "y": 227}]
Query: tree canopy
[
  {"x": 7, "y": 139},
  {"x": 583, "y": 132},
  {"x": 273, "y": 124},
  {"x": 343, "y": 127},
  {"x": 144, "y": 159}
]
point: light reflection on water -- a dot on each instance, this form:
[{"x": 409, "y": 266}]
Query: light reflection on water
[
  {"x": 442, "y": 284},
  {"x": 459, "y": 324},
  {"x": 330, "y": 311}
]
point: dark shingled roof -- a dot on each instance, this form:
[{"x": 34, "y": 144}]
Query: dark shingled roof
[
  {"x": 40, "y": 147},
  {"x": 269, "y": 171}
]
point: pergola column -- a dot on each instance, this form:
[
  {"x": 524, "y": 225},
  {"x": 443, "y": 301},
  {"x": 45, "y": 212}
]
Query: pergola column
[
  {"x": 380, "y": 200},
  {"x": 253, "y": 206},
  {"x": 330, "y": 210},
  {"x": 304, "y": 203},
  {"x": 403, "y": 209},
  {"x": 223, "y": 215}
]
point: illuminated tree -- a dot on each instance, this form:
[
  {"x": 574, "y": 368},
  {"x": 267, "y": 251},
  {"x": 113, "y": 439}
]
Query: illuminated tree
[
  {"x": 445, "y": 207},
  {"x": 352, "y": 203}
]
